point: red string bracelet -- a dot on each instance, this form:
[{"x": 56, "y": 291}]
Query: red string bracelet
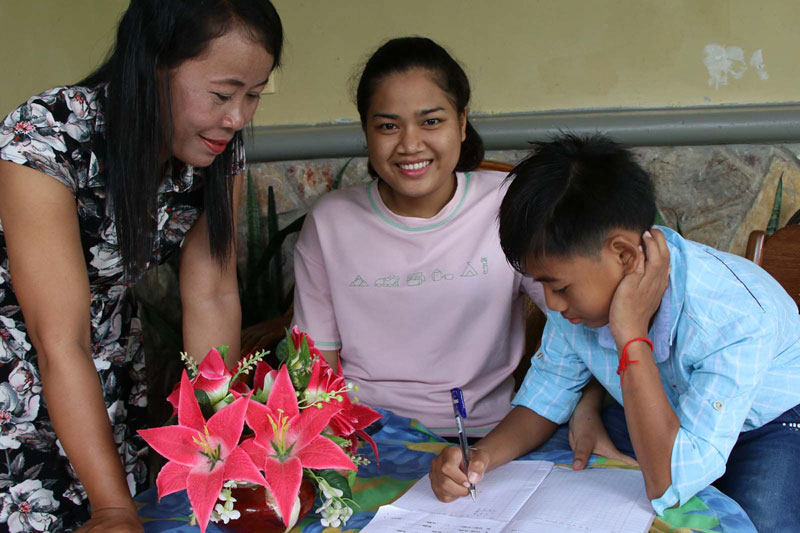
[{"x": 624, "y": 361}]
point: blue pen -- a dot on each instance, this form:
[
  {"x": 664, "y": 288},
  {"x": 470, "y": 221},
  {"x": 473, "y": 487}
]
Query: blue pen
[{"x": 460, "y": 411}]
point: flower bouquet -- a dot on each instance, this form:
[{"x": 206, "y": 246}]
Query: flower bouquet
[{"x": 296, "y": 426}]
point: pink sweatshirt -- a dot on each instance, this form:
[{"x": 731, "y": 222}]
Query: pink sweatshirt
[{"x": 417, "y": 306}]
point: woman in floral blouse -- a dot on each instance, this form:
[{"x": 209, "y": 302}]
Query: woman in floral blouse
[{"x": 98, "y": 182}]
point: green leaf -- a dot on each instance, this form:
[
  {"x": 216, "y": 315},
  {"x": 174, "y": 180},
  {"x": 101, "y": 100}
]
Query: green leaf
[
  {"x": 340, "y": 441},
  {"x": 774, "y": 219},
  {"x": 282, "y": 351},
  {"x": 223, "y": 350},
  {"x": 205, "y": 403},
  {"x": 302, "y": 375},
  {"x": 272, "y": 215},
  {"x": 337, "y": 481},
  {"x": 250, "y": 282},
  {"x": 260, "y": 396},
  {"x": 337, "y": 180},
  {"x": 305, "y": 352},
  {"x": 272, "y": 257},
  {"x": 659, "y": 219},
  {"x": 262, "y": 293},
  {"x": 253, "y": 223}
]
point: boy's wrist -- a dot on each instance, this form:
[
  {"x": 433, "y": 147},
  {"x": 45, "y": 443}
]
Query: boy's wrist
[{"x": 623, "y": 335}]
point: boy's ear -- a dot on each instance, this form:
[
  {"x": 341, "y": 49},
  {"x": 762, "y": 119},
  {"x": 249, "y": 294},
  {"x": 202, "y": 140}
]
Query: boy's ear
[
  {"x": 462, "y": 120},
  {"x": 625, "y": 250}
]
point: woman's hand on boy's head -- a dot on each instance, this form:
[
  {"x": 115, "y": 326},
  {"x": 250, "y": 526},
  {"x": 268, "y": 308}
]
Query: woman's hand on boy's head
[
  {"x": 448, "y": 480},
  {"x": 639, "y": 294}
]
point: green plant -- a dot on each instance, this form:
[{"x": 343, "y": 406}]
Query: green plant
[
  {"x": 261, "y": 291},
  {"x": 661, "y": 222},
  {"x": 775, "y": 217}
]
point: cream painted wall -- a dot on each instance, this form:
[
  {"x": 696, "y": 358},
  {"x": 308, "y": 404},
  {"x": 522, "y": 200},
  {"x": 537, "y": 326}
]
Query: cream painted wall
[{"x": 521, "y": 55}]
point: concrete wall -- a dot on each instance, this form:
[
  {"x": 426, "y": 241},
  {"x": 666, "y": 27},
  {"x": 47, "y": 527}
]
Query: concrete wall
[{"x": 522, "y": 56}]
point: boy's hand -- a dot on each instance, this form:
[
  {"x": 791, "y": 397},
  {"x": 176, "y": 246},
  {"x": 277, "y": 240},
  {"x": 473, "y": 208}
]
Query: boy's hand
[
  {"x": 588, "y": 435},
  {"x": 639, "y": 294},
  {"x": 448, "y": 480}
]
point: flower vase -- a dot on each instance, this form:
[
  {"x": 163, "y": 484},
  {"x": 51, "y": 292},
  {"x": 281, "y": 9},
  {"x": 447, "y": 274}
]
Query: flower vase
[{"x": 258, "y": 511}]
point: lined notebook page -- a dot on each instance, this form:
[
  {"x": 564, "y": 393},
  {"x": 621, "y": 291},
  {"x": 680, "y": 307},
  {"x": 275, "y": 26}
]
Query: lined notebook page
[
  {"x": 595, "y": 499},
  {"x": 526, "y": 497},
  {"x": 494, "y": 499}
]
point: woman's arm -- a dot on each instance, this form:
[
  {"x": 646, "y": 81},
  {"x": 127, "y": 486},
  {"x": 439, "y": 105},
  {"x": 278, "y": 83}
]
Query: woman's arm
[
  {"x": 48, "y": 270},
  {"x": 212, "y": 314},
  {"x": 331, "y": 357}
]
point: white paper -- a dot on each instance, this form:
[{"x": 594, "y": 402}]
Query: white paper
[
  {"x": 594, "y": 499},
  {"x": 526, "y": 497}
]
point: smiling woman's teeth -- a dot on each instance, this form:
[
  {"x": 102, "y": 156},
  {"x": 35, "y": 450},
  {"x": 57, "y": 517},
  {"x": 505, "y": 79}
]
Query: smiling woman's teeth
[{"x": 415, "y": 166}]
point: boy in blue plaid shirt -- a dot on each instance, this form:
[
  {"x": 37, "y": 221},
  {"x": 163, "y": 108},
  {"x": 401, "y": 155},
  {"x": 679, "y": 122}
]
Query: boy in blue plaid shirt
[{"x": 700, "y": 347}]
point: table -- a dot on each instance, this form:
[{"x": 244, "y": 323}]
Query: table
[{"x": 406, "y": 449}]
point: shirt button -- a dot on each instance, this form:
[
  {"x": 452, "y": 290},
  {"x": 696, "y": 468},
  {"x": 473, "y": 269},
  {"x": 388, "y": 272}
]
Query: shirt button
[
  {"x": 717, "y": 405},
  {"x": 539, "y": 355}
]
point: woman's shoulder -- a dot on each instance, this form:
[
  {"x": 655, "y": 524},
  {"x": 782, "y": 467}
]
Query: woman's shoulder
[
  {"x": 341, "y": 201},
  {"x": 63, "y": 100},
  {"x": 487, "y": 179},
  {"x": 46, "y": 131},
  {"x": 71, "y": 110},
  {"x": 485, "y": 186}
]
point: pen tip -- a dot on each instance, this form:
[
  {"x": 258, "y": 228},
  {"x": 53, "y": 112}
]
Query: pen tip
[{"x": 472, "y": 493}]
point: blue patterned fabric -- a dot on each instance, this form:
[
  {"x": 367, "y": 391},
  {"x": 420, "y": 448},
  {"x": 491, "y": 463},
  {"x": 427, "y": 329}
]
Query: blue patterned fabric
[{"x": 406, "y": 449}]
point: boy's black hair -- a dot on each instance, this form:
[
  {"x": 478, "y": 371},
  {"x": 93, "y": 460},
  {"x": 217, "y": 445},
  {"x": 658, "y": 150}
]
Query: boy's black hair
[
  {"x": 405, "y": 53},
  {"x": 155, "y": 36},
  {"x": 568, "y": 194}
]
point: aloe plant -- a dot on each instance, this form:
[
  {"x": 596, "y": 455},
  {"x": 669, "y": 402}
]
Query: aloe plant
[
  {"x": 261, "y": 288},
  {"x": 661, "y": 222},
  {"x": 775, "y": 216}
]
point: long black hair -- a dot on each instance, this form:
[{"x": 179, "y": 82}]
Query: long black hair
[
  {"x": 406, "y": 53},
  {"x": 154, "y": 36}
]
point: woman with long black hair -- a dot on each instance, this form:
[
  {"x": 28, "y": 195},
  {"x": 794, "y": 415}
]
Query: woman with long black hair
[{"x": 98, "y": 182}]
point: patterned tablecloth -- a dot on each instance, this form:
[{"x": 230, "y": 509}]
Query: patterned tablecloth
[{"x": 406, "y": 449}]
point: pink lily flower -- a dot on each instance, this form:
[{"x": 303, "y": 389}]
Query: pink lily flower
[
  {"x": 202, "y": 455},
  {"x": 297, "y": 340},
  {"x": 351, "y": 420},
  {"x": 288, "y": 440},
  {"x": 263, "y": 380},
  {"x": 214, "y": 378}
]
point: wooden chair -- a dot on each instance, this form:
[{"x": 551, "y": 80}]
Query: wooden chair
[
  {"x": 495, "y": 165},
  {"x": 778, "y": 254}
]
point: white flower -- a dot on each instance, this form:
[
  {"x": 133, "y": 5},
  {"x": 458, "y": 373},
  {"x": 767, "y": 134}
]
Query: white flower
[
  {"x": 16, "y": 415},
  {"x": 25, "y": 379},
  {"x": 13, "y": 343},
  {"x": 30, "y": 129},
  {"x": 226, "y": 513},
  {"x": 334, "y": 513},
  {"x": 27, "y": 507},
  {"x": 328, "y": 491}
]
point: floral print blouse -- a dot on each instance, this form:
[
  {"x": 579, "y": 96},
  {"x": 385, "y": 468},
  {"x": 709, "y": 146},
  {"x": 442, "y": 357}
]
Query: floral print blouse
[{"x": 61, "y": 133}]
